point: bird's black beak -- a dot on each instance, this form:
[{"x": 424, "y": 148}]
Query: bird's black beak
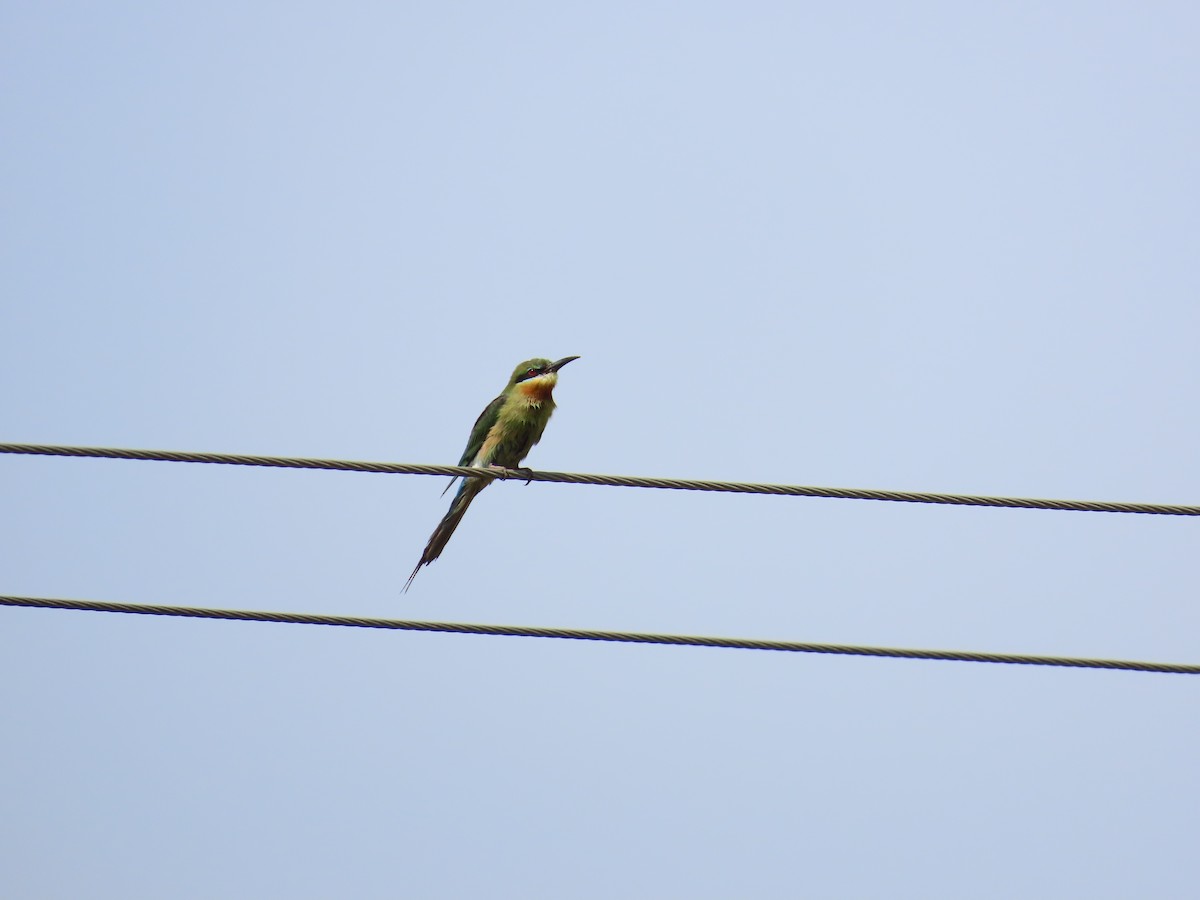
[{"x": 554, "y": 367}]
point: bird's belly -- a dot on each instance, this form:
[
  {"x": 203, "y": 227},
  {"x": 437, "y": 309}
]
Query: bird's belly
[{"x": 506, "y": 444}]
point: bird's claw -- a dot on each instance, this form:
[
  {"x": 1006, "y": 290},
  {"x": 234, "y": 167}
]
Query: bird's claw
[{"x": 521, "y": 472}]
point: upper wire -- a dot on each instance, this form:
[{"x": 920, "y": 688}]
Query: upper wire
[{"x": 675, "y": 484}]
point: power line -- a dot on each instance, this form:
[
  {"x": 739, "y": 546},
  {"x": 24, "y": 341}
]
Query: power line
[
  {"x": 587, "y": 635},
  {"x": 676, "y": 484}
]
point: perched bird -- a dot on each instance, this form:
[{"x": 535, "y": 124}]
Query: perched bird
[{"x": 503, "y": 435}]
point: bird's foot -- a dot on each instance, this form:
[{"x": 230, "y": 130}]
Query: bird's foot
[{"x": 521, "y": 472}]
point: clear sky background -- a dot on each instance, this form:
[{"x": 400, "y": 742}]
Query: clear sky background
[{"x": 932, "y": 246}]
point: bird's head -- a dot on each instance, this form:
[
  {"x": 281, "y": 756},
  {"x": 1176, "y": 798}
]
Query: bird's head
[{"x": 538, "y": 374}]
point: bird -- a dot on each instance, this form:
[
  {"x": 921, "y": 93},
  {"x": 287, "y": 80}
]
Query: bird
[{"x": 503, "y": 435}]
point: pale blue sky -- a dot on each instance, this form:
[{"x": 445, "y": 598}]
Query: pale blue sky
[{"x": 938, "y": 246}]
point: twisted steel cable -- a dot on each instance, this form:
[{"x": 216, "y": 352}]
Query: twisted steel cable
[
  {"x": 577, "y": 634},
  {"x": 676, "y": 484}
]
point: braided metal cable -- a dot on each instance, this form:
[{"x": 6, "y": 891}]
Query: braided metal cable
[
  {"x": 676, "y": 484},
  {"x": 589, "y": 635}
]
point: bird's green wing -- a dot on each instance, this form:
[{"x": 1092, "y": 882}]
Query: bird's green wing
[{"x": 479, "y": 433}]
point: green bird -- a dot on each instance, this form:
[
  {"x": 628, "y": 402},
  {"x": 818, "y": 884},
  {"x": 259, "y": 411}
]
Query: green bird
[{"x": 503, "y": 435}]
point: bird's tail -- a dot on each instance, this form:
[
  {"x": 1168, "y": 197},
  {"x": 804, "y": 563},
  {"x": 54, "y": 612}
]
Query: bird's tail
[{"x": 437, "y": 541}]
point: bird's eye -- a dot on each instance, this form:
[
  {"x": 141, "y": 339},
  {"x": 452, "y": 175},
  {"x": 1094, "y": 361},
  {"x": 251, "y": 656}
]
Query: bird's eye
[{"x": 531, "y": 372}]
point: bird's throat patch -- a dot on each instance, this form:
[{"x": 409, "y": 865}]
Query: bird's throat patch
[{"x": 538, "y": 390}]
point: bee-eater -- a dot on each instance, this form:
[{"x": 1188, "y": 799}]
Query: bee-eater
[{"x": 503, "y": 435}]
